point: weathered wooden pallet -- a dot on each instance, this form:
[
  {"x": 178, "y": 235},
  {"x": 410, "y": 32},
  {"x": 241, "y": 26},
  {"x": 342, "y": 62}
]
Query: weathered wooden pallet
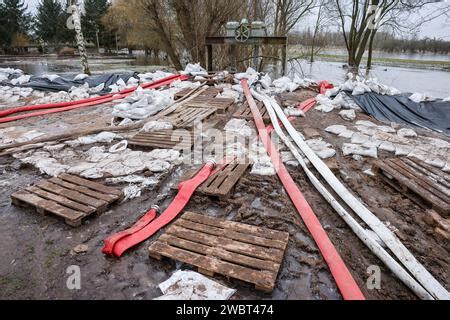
[
  {"x": 68, "y": 197},
  {"x": 163, "y": 139},
  {"x": 220, "y": 104},
  {"x": 216, "y": 246},
  {"x": 181, "y": 94},
  {"x": 188, "y": 117},
  {"x": 423, "y": 184},
  {"x": 210, "y": 92},
  {"x": 244, "y": 112},
  {"x": 222, "y": 183}
]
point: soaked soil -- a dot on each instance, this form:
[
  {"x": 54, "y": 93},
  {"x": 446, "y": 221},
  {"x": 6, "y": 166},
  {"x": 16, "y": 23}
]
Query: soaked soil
[{"x": 37, "y": 250}]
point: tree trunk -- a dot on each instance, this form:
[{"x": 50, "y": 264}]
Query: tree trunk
[
  {"x": 80, "y": 39},
  {"x": 370, "y": 54}
]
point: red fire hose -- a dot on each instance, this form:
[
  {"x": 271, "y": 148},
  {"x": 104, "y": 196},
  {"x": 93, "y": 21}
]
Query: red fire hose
[
  {"x": 66, "y": 106},
  {"x": 118, "y": 244},
  {"x": 143, "y": 222},
  {"x": 344, "y": 280}
]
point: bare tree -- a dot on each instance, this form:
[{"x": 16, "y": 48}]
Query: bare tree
[
  {"x": 288, "y": 13},
  {"x": 322, "y": 20},
  {"x": 366, "y": 17}
]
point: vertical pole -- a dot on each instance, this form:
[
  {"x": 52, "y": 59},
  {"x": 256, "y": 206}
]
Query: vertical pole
[
  {"x": 233, "y": 58},
  {"x": 98, "y": 41},
  {"x": 209, "y": 55},
  {"x": 256, "y": 57},
  {"x": 284, "y": 58}
]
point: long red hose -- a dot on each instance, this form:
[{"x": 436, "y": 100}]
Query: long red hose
[
  {"x": 344, "y": 280},
  {"x": 71, "y": 103},
  {"x": 66, "y": 106},
  {"x": 185, "y": 192},
  {"x": 143, "y": 222}
]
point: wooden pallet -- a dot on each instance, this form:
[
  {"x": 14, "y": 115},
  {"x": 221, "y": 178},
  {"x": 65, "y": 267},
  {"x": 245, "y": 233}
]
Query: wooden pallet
[
  {"x": 210, "y": 92},
  {"x": 188, "y": 117},
  {"x": 217, "y": 246},
  {"x": 222, "y": 183},
  {"x": 163, "y": 139},
  {"x": 423, "y": 184},
  {"x": 244, "y": 112},
  {"x": 181, "y": 94},
  {"x": 220, "y": 104},
  {"x": 68, "y": 197}
]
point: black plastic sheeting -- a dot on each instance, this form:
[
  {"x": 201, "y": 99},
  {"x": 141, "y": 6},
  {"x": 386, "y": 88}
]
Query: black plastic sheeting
[
  {"x": 65, "y": 84},
  {"x": 400, "y": 109}
]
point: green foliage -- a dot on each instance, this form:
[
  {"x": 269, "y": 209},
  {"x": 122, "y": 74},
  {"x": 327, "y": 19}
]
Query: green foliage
[
  {"x": 91, "y": 22},
  {"x": 14, "y": 20},
  {"x": 50, "y": 22}
]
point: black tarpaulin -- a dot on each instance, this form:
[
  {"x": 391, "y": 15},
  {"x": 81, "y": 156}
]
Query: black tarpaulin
[
  {"x": 433, "y": 115},
  {"x": 65, "y": 84}
]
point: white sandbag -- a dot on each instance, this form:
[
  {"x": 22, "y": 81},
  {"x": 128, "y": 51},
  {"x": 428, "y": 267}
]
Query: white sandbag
[
  {"x": 51, "y": 77},
  {"x": 156, "y": 126},
  {"x": 406, "y": 133},
  {"x": 195, "y": 70},
  {"x": 336, "y": 129},
  {"x": 189, "y": 285},
  {"x": 81, "y": 77},
  {"x": 348, "y": 115},
  {"x": 21, "y": 80},
  {"x": 294, "y": 112},
  {"x": 356, "y": 149},
  {"x": 157, "y": 166}
]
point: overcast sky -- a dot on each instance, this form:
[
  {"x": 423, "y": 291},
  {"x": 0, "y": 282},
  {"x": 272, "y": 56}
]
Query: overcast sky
[{"x": 439, "y": 28}]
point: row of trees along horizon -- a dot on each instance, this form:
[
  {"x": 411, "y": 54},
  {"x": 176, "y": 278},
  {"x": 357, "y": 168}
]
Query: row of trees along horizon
[{"x": 178, "y": 28}]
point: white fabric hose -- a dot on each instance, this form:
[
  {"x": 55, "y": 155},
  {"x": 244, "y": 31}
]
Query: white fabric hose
[
  {"x": 393, "y": 265},
  {"x": 392, "y": 242}
]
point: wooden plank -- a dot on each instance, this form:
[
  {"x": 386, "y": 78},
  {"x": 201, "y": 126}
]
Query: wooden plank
[
  {"x": 93, "y": 194},
  {"x": 423, "y": 192},
  {"x": 248, "y": 249},
  {"x": 91, "y": 185},
  {"x": 164, "y": 139},
  {"x": 423, "y": 180},
  {"x": 421, "y": 168},
  {"x": 61, "y": 200},
  {"x": 71, "y": 201},
  {"x": 231, "y": 234},
  {"x": 222, "y": 183},
  {"x": 239, "y": 227},
  {"x": 220, "y": 253},
  {"x": 262, "y": 279},
  {"x": 46, "y": 205},
  {"x": 215, "y": 249},
  {"x": 244, "y": 112},
  {"x": 188, "y": 117},
  {"x": 71, "y": 194},
  {"x": 435, "y": 171}
]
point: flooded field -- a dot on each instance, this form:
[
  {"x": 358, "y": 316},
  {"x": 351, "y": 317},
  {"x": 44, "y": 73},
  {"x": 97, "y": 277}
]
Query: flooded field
[
  {"x": 70, "y": 65},
  {"x": 432, "y": 82}
]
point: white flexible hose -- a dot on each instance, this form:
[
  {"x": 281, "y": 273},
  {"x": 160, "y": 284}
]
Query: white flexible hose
[
  {"x": 392, "y": 242},
  {"x": 393, "y": 265}
]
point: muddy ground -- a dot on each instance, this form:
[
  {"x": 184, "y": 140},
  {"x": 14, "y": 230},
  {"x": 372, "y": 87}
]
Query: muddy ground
[{"x": 36, "y": 250}]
